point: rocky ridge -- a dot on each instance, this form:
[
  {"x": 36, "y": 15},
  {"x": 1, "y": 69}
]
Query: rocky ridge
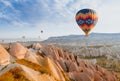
[{"x": 49, "y": 63}]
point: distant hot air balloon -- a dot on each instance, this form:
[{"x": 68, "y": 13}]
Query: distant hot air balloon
[
  {"x": 23, "y": 37},
  {"x": 86, "y": 19},
  {"x": 41, "y": 31}
]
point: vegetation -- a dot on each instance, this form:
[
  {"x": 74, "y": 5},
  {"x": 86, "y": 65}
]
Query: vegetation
[
  {"x": 93, "y": 57},
  {"x": 109, "y": 64},
  {"x": 103, "y": 62}
]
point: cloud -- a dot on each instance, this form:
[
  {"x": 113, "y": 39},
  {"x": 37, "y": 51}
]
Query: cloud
[
  {"x": 7, "y": 11},
  {"x": 12, "y": 12},
  {"x": 6, "y": 3},
  {"x": 20, "y": 24},
  {"x": 3, "y": 16},
  {"x": 53, "y": 15},
  {"x": 34, "y": 11},
  {"x": 65, "y": 10}
]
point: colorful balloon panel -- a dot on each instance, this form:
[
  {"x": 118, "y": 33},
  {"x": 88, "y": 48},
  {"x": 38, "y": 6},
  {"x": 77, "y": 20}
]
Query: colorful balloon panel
[{"x": 86, "y": 19}]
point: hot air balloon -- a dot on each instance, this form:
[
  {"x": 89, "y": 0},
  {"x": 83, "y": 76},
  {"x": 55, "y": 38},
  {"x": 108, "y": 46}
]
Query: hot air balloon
[
  {"x": 41, "y": 31},
  {"x": 86, "y": 19},
  {"x": 23, "y": 37}
]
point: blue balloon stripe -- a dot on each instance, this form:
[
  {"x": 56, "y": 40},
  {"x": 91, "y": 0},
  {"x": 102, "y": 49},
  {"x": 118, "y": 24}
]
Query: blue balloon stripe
[{"x": 88, "y": 21}]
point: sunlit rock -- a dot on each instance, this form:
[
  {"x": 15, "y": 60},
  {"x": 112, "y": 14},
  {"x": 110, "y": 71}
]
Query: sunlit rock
[
  {"x": 17, "y": 50},
  {"x": 36, "y": 46},
  {"x": 4, "y": 56}
]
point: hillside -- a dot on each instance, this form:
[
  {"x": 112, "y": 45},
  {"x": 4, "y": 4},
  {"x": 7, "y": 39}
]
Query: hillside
[
  {"x": 41, "y": 62},
  {"x": 104, "y": 45},
  {"x": 80, "y": 40}
]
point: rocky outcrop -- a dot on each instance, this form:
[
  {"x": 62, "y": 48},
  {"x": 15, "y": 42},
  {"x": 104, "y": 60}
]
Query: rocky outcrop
[
  {"x": 17, "y": 72},
  {"x": 18, "y": 50},
  {"x": 54, "y": 70},
  {"x": 46, "y": 77},
  {"x": 4, "y": 56},
  {"x": 31, "y": 56},
  {"x": 50, "y": 63},
  {"x": 77, "y": 69},
  {"x": 36, "y": 46},
  {"x": 111, "y": 52}
]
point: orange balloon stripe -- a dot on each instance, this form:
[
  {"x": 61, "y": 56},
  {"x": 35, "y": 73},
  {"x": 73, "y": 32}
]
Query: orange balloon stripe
[
  {"x": 84, "y": 26},
  {"x": 84, "y": 15},
  {"x": 84, "y": 18},
  {"x": 89, "y": 15}
]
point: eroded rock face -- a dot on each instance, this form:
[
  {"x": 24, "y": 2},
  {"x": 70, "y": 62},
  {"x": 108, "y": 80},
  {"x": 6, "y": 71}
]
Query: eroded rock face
[
  {"x": 46, "y": 77},
  {"x": 4, "y": 56},
  {"x": 36, "y": 46},
  {"x": 31, "y": 56},
  {"x": 77, "y": 69},
  {"x": 17, "y": 50},
  {"x": 54, "y": 64},
  {"x": 54, "y": 70},
  {"x": 51, "y": 51}
]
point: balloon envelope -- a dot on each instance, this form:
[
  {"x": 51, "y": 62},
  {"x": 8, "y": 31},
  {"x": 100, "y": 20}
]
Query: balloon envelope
[
  {"x": 86, "y": 19},
  {"x": 41, "y": 31}
]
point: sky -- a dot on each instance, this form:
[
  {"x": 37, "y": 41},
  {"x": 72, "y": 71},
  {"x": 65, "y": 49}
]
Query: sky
[{"x": 55, "y": 17}]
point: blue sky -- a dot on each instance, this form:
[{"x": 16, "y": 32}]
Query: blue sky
[{"x": 54, "y": 17}]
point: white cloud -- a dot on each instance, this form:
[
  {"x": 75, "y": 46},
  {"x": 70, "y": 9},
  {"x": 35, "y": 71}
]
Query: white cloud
[
  {"x": 20, "y": 24},
  {"x": 58, "y": 16},
  {"x": 9, "y": 13},
  {"x": 67, "y": 8},
  {"x": 3, "y": 16},
  {"x": 7, "y": 3}
]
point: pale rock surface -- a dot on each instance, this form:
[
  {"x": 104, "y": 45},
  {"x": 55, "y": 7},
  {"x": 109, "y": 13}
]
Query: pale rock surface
[
  {"x": 50, "y": 50},
  {"x": 31, "y": 56},
  {"x": 30, "y": 73},
  {"x": 36, "y": 46},
  {"x": 54, "y": 70},
  {"x": 4, "y": 56},
  {"x": 7, "y": 68},
  {"x": 79, "y": 69},
  {"x": 57, "y": 64},
  {"x": 51, "y": 68},
  {"x": 61, "y": 53},
  {"x": 17, "y": 50},
  {"x": 45, "y": 77},
  {"x": 75, "y": 76},
  {"x": 62, "y": 63},
  {"x": 73, "y": 67}
]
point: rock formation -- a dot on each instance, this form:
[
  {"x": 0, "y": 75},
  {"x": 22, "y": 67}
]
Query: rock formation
[
  {"x": 17, "y": 50},
  {"x": 31, "y": 56},
  {"x": 36, "y": 46},
  {"x": 50, "y": 63},
  {"x": 4, "y": 56},
  {"x": 78, "y": 70}
]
